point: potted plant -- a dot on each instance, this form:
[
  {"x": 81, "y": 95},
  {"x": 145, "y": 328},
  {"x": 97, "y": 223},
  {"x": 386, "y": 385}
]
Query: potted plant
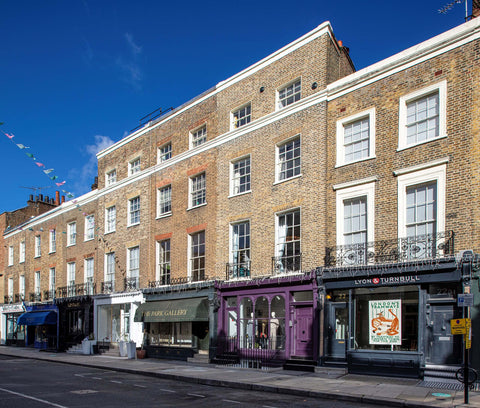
[{"x": 141, "y": 353}]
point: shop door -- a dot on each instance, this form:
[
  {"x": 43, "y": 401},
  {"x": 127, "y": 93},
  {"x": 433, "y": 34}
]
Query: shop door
[
  {"x": 442, "y": 346},
  {"x": 302, "y": 332},
  {"x": 337, "y": 329}
]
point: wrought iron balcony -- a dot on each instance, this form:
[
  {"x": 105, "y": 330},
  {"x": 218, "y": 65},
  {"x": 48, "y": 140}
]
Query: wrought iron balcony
[
  {"x": 164, "y": 281},
  {"x": 80, "y": 289},
  {"x": 421, "y": 247},
  {"x": 8, "y": 299},
  {"x": 132, "y": 284},
  {"x": 19, "y": 297},
  {"x": 238, "y": 270},
  {"x": 35, "y": 297},
  {"x": 108, "y": 286},
  {"x": 49, "y": 294},
  {"x": 286, "y": 264}
]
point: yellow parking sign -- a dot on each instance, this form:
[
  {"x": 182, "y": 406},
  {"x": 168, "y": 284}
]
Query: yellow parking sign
[{"x": 458, "y": 326}]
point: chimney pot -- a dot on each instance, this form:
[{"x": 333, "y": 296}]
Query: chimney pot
[
  {"x": 57, "y": 197},
  {"x": 63, "y": 199}
]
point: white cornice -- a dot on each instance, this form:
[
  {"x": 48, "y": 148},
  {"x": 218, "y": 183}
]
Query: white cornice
[
  {"x": 417, "y": 54},
  {"x": 324, "y": 28},
  {"x": 354, "y": 183}
]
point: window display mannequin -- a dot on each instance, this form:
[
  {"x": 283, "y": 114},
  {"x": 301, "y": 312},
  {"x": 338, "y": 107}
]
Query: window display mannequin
[{"x": 274, "y": 330}]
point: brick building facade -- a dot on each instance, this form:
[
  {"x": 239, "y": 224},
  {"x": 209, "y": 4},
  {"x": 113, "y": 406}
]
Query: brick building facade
[{"x": 240, "y": 222}]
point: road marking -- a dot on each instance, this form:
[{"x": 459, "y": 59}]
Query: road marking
[
  {"x": 116, "y": 382},
  {"x": 33, "y": 398},
  {"x": 197, "y": 395},
  {"x": 161, "y": 389},
  {"x": 97, "y": 378},
  {"x": 268, "y": 406},
  {"x": 234, "y": 402},
  {"x": 138, "y": 385}
]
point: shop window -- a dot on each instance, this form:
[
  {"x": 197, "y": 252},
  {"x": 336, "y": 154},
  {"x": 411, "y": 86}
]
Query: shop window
[
  {"x": 386, "y": 319},
  {"x": 246, "y": 323},
  {"x": 170, "y": 334}
]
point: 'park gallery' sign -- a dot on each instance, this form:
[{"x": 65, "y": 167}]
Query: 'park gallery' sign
[{"x": 385, "y": 317}]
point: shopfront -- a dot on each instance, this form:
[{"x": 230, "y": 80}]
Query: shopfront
[
  {"x": 179, "y": 323},
  {"x": 273, "y": 319},
  {"x": 114, "y": 318},
  {"x": 41, "y": 326},
  {"x": 12, "y": 333},
  {"x": 391, "y": 320},
  {"x": 75, "y": 320}
]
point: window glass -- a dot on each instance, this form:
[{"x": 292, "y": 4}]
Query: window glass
[
  {"x": 289, "y": 164},
  {"x": 356, "y": 140},
  {"x": 198, "y": 192},
  {"x": 423, "y": 119},
  {"x": 241, "y": 176},
  {"x": 164, "y": 153},
  {"x": 241, "y": 116},
  {"x": 289, "y": 94},
  {"x": 199, "y": 136}
]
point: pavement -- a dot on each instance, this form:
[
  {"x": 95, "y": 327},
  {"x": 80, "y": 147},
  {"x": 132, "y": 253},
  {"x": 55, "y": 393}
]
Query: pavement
[{"x": 326, "y": 383}]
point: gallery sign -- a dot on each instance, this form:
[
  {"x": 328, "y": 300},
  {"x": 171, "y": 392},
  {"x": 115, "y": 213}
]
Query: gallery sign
[{"x": 385, "y": 319}]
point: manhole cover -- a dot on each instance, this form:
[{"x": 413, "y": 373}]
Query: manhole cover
[{"x": 84, "y": 392}]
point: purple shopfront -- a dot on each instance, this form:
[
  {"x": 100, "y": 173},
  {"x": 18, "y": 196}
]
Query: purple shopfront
[{"x": 268, "y": 321}]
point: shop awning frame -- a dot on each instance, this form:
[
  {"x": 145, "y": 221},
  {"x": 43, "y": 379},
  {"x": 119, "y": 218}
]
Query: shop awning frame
[
  {"x": 37, "y": 318},
  {"x": 178, "y": 310}
]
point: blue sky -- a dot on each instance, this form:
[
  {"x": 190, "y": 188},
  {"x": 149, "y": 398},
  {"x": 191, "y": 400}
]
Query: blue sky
[{"x": 77, "y": 75}]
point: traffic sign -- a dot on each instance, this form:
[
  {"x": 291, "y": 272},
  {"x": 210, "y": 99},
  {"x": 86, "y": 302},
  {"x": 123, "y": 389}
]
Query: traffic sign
[
  {"x": 465, "y": 300},
  {"x": 458, "y": 326}
]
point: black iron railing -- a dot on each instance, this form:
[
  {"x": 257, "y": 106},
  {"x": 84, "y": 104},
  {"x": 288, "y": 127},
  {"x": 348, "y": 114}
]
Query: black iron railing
[
  {"x": 238, "y": 270},
  {"x": 255, "y": 352},
  {"x": 8, "y": 299},
  {"x": 49, "y": 294},
  {"x": 164, "y": 281},
  {"x": 132, "y": 284},
  {"x": 35, "y": 297},
  {"x": 19, "y": 297},
  {"x": 80, "y": 289},
  {"x": 421, "y": 247},
  {"x": 286, "y": 264},
  {"x": 108, "y": 286}
]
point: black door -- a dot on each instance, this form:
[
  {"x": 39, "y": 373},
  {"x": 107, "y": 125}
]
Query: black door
[
  {"x": 336, "y": 331},
  {"x": 442, "y": 346}
]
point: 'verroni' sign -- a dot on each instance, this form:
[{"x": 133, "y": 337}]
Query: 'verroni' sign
[
  {"x": 166, "y": 313},
  {"x": 385, "y": 317}
]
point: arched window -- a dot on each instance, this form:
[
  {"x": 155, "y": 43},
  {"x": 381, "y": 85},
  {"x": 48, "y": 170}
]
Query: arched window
[
  {"x": 246, "y": 323},
  {"x": 277, "y": 323}
]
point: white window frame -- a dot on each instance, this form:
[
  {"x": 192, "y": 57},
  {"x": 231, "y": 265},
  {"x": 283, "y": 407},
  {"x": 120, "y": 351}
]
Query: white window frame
[
  {"x": 10, "y": 255},
  {"x": 108, "y": 219},
  {"x": 52, "y": 245},
  {"x": 162, "y": 203},
  {"x": 134, "y": 166},
  {"x": 278, "y": 243},
  {"x": 130, "y": 211},
  {"x": 235, "y": 179},
  {"x": 109, "y": 270},
  {"x": 71, "y": 271},
  {"x": 190, "y": 255},
  {"x": 38, "y": 246},
  {"x": 89, "y": 227},
  {"x": 164, "y": 151},
  {"x": 235, "y": 119},
  {"x": 21, "y": 286},
  {"x": 349, "y": 193},
  {"x": 37, "y": 283},
  {"x": 133, "y": 272},
  {"x": 191, "y": 193},
  {"x": 436, "y": 174},
  {"x": 370, "y": 114},
  {"x": 279, "y": 101},
  {"x": 10, "y": 287},
  {"x": 278, "y": 163},
  {"x": 161, "y": 262},
  {"x": 441, "y": 88},
  {"x": 71, "y": 233},
  {"x": 232, "y": 251},
  {"x": 51, "y": 279},
  {"x": 111, "y": 177},
  {"x": 195, "y": 140},
  {"x": 22, "y": 252}
]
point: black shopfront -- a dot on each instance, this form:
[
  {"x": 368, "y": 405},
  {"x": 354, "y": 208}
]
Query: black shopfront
[
  {"x": 75, "y": 320},
  {"x": 392, "y": 319}
]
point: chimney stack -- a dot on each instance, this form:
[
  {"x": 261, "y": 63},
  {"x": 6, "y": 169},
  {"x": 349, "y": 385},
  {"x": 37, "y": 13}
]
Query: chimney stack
[
  {"x": 57, "y": 197},
  {"x": 63, "y": 199}
]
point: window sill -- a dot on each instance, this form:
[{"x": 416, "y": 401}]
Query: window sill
[
  {"x": 355, "y": 161},
  {"x": 288, "y": 179},
  {"x": 110, "y": 232},
  {"x": 240, "y": 194},
  {"x": 52, "y": 252},
  {"x": 89, "y": 239},
  {"x": 37, "y": 256},
  {"x": 133, "y": 225},
  {"x": 70, "y": 245},
  {"x": 404, "y": 147},
  {"x": 166, "y": 215},
  {"x": 197, "y": 206}
]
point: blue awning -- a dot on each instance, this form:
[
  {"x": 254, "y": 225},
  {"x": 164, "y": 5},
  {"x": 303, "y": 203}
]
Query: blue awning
[{"x": 37, "y": 318}]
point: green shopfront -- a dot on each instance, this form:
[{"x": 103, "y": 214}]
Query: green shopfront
[{"x": 392, "y": 319}]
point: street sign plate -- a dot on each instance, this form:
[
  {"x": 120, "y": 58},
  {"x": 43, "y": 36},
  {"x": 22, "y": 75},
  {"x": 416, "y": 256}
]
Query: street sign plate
[
  {"x": 465, "y": 300},
  {"x": 458, "y": 326}
]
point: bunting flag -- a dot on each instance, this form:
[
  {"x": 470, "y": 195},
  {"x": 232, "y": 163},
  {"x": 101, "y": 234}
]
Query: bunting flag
[
  {"x": 61, "y": 183},
  {"x": 9, "y": 136},
  {"x": 48, "y": 171},
  {"x": 31, "y": 156},
  {"x": 40, "y": 164},
  {"x": 53, "y": 177},
  {"x": 21, "y": 146}
]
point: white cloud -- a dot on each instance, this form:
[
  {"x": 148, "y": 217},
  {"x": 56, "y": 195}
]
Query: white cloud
[
  {"x": 84, "y": 177},
  {"x": 134, "y": 48},
  {"x": 129, "y": 65}
]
